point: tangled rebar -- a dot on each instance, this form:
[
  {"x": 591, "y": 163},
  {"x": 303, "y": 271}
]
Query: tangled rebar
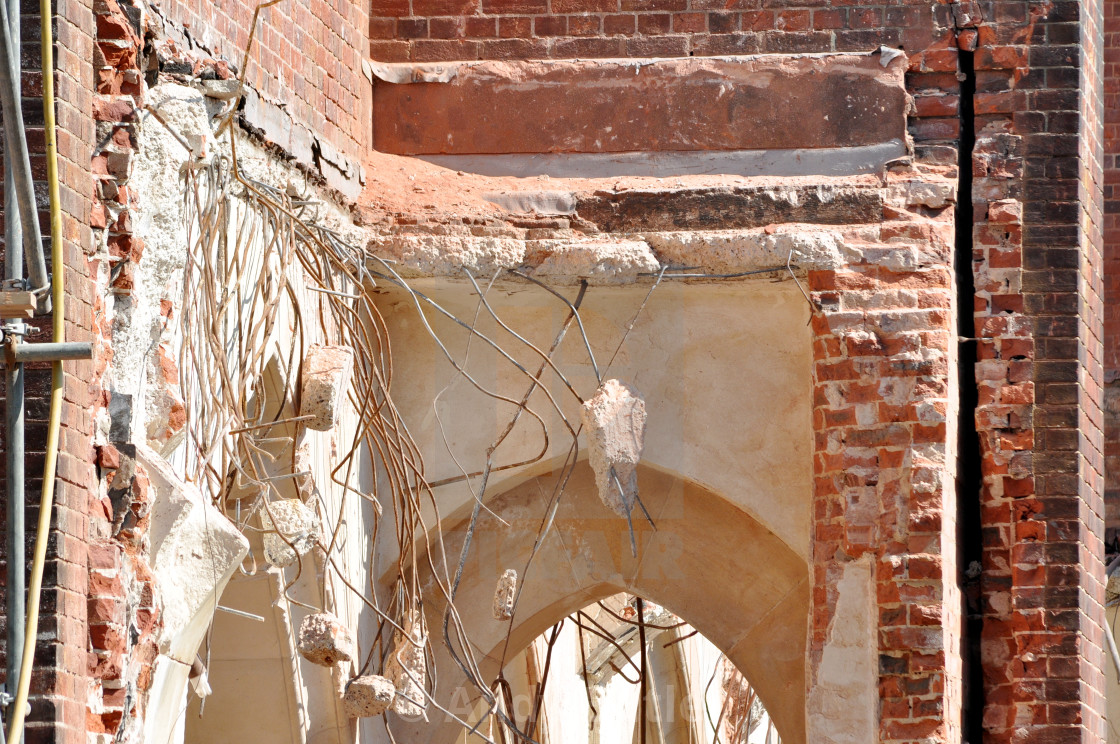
[{"x": 265, "y": 279}]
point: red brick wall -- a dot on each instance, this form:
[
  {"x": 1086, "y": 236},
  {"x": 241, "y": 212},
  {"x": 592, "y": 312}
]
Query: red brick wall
[
  {"x": 58, "y": 687},
  {"x": 307, "y": 54},
  {"x": 1091, "y": 511},
  {"x": 1111, "y": 262},
  {"x": 1038, "y": 321},
  {"x": 427, "y": 30}
]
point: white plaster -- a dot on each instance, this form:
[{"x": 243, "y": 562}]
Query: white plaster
[
  {"x": 195, "y": 550},
  {"x": 731, "y": 251},
  {"x": 160, "y": 222},
  {"x": 842, "y": 707}
]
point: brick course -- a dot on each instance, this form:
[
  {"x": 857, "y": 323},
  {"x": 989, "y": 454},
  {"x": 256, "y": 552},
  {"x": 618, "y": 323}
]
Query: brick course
[{"x": 403, "y": 30}]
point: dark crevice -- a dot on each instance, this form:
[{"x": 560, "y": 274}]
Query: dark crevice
[{"x": 969, "y": 528}]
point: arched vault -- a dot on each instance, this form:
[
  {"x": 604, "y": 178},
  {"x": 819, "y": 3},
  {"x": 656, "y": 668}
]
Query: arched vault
[{"x": 707, "y": 560}]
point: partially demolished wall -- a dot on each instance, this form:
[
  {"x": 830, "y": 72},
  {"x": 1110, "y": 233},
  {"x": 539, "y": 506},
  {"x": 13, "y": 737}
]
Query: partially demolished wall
[{"x": 881, "y": 259}]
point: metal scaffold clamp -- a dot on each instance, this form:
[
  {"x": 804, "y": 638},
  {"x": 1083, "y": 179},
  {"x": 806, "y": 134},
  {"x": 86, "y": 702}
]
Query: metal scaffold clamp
[{"x": 17, "y": 352}]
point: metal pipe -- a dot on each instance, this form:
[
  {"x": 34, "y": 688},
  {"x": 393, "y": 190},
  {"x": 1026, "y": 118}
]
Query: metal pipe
[
  {"x": 15, "y": 594},
  {"x": 643, "y": 690},
  {"x": 51, "y": 352},
  {"x": 13, "y": 234},
  {"x": 15, "y": 151},
  {"x": 54, "y": 422}
]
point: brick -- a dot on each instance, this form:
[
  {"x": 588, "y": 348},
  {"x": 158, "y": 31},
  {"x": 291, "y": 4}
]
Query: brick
[
  {"x": 654, "y": 5},
  {"x": 690, "y": 23},
  {"x": 655, "y": 23},
  {"x": 446, "y": 28},
  {"x": 588, "y": 47},
  {"x": 412, "y": 28},
  {"x": 389, "y": 8},
  {"x": 657, "y": 46},
  {"x": 517, "y": 27},
  {"x": 439, "y": 50},
  {"x": 550, "y": 26}
]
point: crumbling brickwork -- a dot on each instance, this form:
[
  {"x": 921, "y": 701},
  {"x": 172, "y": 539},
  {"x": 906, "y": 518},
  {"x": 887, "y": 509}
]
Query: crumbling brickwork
[
  {"x": 883, "y": 351},
  {"x": 123, "y": 612}
]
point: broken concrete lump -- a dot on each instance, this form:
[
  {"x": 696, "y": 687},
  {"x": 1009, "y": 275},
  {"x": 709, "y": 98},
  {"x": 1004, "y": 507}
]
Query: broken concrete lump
[
  {"x": 615, "y": 422},
  {"x": 368, "y": 696},
  {"x": 324, "y": 640}
]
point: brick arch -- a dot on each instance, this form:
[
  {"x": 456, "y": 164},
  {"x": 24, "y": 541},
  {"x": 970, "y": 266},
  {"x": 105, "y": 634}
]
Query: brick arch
[{"x": 708, "y": 561}]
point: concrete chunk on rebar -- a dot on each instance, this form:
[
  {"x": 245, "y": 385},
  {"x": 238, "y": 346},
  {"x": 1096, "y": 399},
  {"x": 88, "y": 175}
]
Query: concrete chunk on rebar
[
  {"x": 291, "y": 530},
  {"x": 406, "y": 667},
  {"x": 303, "y": 463},
  {"x": 615, "y": 421},
  {"x": 326, "y": 374},
  {"x": 504, "y": 594},
  {"x": 324, "y": 640},
  {"x": 368, "y": 696}
]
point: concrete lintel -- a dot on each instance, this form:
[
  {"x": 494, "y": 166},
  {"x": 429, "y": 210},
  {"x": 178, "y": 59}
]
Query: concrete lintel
[{"x": 757, "y": 102}]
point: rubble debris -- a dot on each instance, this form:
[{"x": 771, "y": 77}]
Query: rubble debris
[
  {"x": 615, "y": 421},
  {"x": 406, "y": 667},
  {"x": 368, "y": 696},
  {"x": 325, "y": 377},
  {"x": 302, "y": 462},
  {"x": 600, "y": 261},
  {"x": 224, "y": 90},
  {"x": 504, "y": 594},
  {"x": 291, "y": 530},
  {"x": 324, "y": 640}
]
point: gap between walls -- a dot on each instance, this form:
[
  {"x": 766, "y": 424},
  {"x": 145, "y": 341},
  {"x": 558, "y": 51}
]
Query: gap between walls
[{"x": 969, "y": 476}]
